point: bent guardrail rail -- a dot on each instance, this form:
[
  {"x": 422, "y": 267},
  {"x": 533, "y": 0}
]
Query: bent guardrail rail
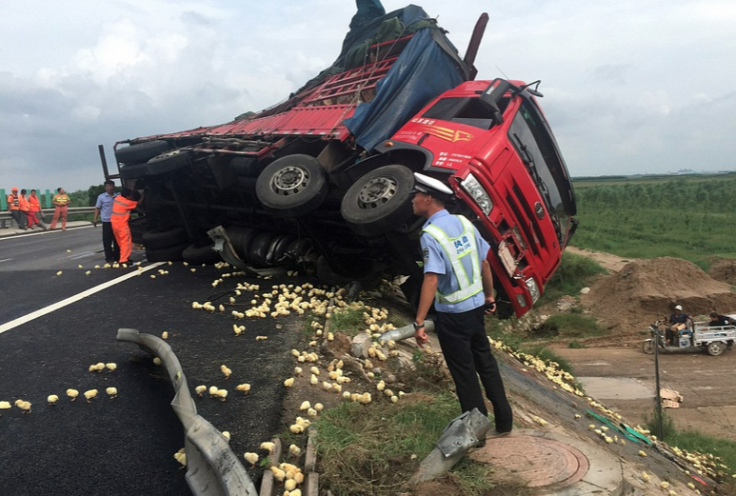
[{"x": 212, "y": 467}]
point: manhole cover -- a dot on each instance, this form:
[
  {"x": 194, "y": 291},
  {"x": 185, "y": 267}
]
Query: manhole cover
[{"x": 538, "y": 461}]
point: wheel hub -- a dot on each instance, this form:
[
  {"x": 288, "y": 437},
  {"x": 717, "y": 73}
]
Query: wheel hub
[
  {"x": 377, "y": 192},
  {"x": 290, "y": 180}
]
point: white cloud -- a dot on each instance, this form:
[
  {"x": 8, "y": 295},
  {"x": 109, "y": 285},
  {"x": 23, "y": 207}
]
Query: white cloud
[{"x": 629, "y": 85}]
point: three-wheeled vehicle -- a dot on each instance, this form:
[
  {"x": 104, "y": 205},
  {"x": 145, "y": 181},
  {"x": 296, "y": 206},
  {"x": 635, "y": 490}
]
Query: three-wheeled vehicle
[{"x": 703, "y": 337}]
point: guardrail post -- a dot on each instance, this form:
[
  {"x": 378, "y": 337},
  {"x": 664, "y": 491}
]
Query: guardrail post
[{"x": 3, "y": 201}]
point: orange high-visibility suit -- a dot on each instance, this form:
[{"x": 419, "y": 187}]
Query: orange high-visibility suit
[{"x": 121, "y": 208}]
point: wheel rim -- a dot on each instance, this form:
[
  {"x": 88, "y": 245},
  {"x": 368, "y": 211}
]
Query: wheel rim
[
  {"x": 715, "y": 348},
  {"x": 290, "y": 181},
  {"x": 377, "y": 192}
]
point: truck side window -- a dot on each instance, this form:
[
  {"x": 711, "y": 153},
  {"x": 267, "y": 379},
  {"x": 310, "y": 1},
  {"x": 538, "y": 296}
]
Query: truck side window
[{"x": 467, "y": 111}]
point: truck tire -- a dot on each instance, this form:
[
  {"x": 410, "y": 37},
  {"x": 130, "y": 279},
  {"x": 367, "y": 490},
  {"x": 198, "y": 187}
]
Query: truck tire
[
  {"x": 141, "y": 152},
  {"x": 170, "y": 254},
  {"x": 137, "y": 229},
  {"x": 133, "y": 171},
  {"x": 379, "y": 200},
  {"x": 169, "y": 162},
  {"x": 292, "y": 186},
  {"x": 158, "y": 239},
  {"x": 195, "y": 254}
]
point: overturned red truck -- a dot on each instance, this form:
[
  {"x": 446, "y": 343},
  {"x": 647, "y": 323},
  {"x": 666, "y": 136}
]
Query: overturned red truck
[{"x": 326, "y": 175}]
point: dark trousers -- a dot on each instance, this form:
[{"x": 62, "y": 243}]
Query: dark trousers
[
  {"x": 20, "y": 218},
  {"x": 112, "y": 252},
  {"x": 468, "y": 355}
]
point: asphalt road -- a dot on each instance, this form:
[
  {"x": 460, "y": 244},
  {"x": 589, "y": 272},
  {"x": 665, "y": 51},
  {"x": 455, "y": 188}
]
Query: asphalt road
[{"x": 122, "y": 446}]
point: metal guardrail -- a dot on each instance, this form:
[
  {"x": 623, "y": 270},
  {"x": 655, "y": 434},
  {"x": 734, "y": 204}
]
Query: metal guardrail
[
  {"x": 212, "y": 467},
  {"x": 6, "y": 219}
]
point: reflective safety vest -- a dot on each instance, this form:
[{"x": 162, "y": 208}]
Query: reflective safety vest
[
  {"x": 121, "y": 208},
  {"x": 23, "y": 204},
  {"x": 456, "y": 250},
  {"x": 61, "y": 200},
  {"x": 13, "y": 202},
  {"x": 34, "y": 203}
]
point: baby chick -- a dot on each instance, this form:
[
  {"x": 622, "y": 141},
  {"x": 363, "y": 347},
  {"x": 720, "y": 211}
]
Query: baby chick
[
  {"x": 200, "y": 390},
  {"x": 305, "y": 406},
  {"x": 165, "y": 335},
  {"x": 268, "y": 446},
  {"x": 294, "y": 450},
  {"x": 222, "y": 394},
  {"x": 251, "y": 458},
  {"x": 52, "y": 399},
  {"x": 213, "y": 391},
  {"x": 181, "y": 457},
  {"x": 226, "y": 371},
  {"x": 298, "y": 371},
  {"x": 24, "y": 405},
  {"x": 112, "y": 392},
  {"x": 111, "y": 366},
  {"x": 313, "y": 380},
  {"x": 157, "y": 361},
  {"x": 90, "y": 394},
  {"x": 5, "y": 405},
  {"x": 243, "y": 387},
  {"x": 289, "y": 382},
  {"x": 72, "y": 393}
]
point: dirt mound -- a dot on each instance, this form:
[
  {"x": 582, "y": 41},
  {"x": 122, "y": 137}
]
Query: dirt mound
[
  {"x": 724, "y": 271},
  {"x": 645, "y": 290}
]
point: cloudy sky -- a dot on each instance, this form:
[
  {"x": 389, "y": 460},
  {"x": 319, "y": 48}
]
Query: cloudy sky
[{"x": 630, "y": 86}]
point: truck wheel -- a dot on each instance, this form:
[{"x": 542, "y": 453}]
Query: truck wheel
[
  {"x": 292, "y": 186},
  {"x": 170, "y": 254},
  {"x": 169, "y": 162},
  {"x": 194, "y": 254},
  {"x": 716, "y": 348},
  {"x": 137, "y": 229},
  {"x": 379, "y": 200},
  {"x": 157, "y": 239},
  {"x": 133, "y": 171},
  {"x": 141, "y": 152},
  {"x": 648, "y": 347}
]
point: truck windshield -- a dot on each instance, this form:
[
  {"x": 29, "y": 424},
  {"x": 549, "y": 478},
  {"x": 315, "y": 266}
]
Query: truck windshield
[{"x": 537, "y": 148}]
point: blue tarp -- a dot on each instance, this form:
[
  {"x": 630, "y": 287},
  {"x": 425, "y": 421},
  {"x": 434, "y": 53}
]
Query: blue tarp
[{"x": 423, "y": 71}]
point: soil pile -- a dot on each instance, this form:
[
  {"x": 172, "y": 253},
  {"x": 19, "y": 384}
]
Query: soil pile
[
  {"x": 724, "y": 271},
  {"x": 647, "y": 290}
]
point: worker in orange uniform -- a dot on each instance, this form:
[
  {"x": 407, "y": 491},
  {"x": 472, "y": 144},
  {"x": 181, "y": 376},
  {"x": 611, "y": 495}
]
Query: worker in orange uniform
[
  {"x": 61, "y": 202},
  {"x": 122, "y": 205},
  {"x": 25, "y": 207},
  {"x": 14, "y": 206},
  {"x": 35, "y": 212}
]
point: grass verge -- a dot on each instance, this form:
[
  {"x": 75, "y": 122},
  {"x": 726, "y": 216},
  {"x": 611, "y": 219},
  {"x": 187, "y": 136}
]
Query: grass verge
[{"x": 573, "y": 274}]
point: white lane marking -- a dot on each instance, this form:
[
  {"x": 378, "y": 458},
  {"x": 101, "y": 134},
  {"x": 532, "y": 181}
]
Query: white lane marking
[
  {"x": 6, "y": 260},
  {"x": 84, "y": 254},
  {"x": 73, "y": 299},
  {"x": 16, "y": 236}
]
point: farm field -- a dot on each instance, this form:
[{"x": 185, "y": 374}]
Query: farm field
[{"x": 689, "y": 217}]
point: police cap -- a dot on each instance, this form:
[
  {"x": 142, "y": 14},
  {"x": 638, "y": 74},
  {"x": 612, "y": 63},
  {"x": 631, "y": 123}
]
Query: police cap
[{"x": 432, "y": 187}]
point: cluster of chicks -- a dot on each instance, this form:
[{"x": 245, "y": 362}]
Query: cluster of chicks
[
  {"x": 288, "y": 474},
  {"x": 53, "y": 399},
  {"x": 218, "y": 393}
]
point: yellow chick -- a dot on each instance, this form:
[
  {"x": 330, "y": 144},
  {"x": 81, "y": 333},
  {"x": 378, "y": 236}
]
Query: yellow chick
[
  {"x": 111, "y": 366},
  {"x": 200, "y": 390},
  {"x": 312, "y": 412},
  {"x": 664, "y": 485},
  {"x": 641, "y": 453},
  {"x": 319, "y": 407},
  {"x": 157, "y": 361},
  {"x": 295, "y": 450},
  {"x": 289, "y": 485},
  {"x": 181, "y": 457},
  {"x": 268, "y": 446},
  {"x": 24, "y": 405},
  {"x": 222, "y": 394},
  {"x": 213, "y": 391},
  {"x": 381, "y": 385},
  {"x": 90, "y": 394},
  {"x": 112, "y": 392},
  {"x": 278, "y": 474},
  {"x": 296, "y": 492},
  {"x": 243, "y": 388},
  {"x": 251, "y": 458},
  {"x": 226, "y": 435},
  {"x": 298, "y": 371},
  {"x": 58, "y": 274},
  {"x": 296, "y": 429},
  {"x": 289, "y": 382},
  {"x": 314, "y": 370},
  {"x": 5, "y": 405},
  {"x": 52, "y": 399},
  {"x": 394, "y": 399},
  {"x": 305, "y": 406},
  {"x": 313, "y": 380},
  {"x": 72, "y": 393},
  {"x": 645, "y": 477},
  {"x": 226, "y": 371},
  {"x": 165, "y": 335}
]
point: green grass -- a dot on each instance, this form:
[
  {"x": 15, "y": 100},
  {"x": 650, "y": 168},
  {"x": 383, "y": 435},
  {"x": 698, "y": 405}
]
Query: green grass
[
  {"x": 693, "y": 218},
  {"x": 574, "y": 273},
  {"x": 365, "y": 450},
  {"x": 575, "y": 344},
  {"x": 573, "y": 325},
  {"x": 349, "y": 320}
]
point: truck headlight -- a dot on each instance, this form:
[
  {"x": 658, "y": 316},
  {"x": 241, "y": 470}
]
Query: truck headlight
[
  {"x": 473, "y": 187},
  {"x": 531, "y": 285}
]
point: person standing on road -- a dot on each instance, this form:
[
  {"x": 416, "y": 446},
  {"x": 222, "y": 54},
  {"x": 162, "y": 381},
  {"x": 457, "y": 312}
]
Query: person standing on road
[
  {"x": 14, "y": 207},
  {"x": 61, "y": 202},
  {"x": 35, "y": 210},
  {"x": 457, "y": 277},
  {"x": 103, "y": 210},
  {"x": 122, "y": 205}
]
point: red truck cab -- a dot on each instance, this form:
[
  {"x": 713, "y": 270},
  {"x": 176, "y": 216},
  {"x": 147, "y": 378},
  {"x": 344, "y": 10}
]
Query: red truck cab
[{"x": 492, "y": 144}]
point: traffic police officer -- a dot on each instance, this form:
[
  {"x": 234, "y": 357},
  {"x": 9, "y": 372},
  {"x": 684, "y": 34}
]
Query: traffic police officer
[{"x": 458, "y": 278}]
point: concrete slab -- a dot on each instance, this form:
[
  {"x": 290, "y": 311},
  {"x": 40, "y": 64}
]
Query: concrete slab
[{"x": 618, "y": 388}]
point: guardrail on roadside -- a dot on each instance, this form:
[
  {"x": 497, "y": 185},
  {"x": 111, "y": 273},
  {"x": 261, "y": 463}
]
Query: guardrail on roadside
[{"x": 6, "y": 220}]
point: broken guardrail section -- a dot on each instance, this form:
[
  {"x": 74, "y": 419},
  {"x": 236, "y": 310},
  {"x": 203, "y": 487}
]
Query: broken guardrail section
[{"x": 212, "y": 467}]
